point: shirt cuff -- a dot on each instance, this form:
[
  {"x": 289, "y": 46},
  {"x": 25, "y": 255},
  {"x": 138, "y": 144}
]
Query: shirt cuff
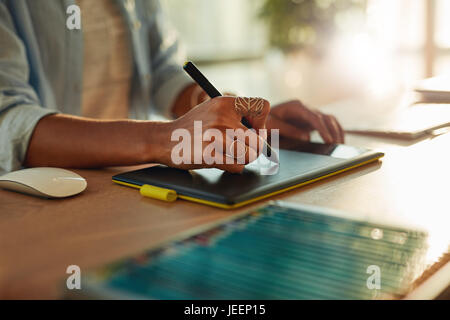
[
  {"x": 165, "y": 96},
  {"x": 16, "y": 128}
]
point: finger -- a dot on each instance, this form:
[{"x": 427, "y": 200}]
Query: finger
[
  {"x": 321, "y": 127},
  {"x": 254, "y": 138},
  {"x": 232, "y": 168},
  {"x": 244, "y": 144},
  {"x": 338, "y": 127},
  {"x": 221, "y": 160},
  {"x": 258, "y": 121},
  {"x": 255, "y": 110},
  {"x": 239, "y": 145},
  {"x": 288, "y": 130},
  {"x": 222, "y": 165},
  {"x": 332, "y": 128},
  {"x": 311, "y": 118},
  {"x": 226, "y": 162},
  {"x": 240, "y": 153},
  {"x": 341, "y": 131}
]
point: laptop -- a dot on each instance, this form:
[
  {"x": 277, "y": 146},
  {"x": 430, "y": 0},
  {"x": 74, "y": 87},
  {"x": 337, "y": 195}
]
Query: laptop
[{"x": 386, "y": 119}]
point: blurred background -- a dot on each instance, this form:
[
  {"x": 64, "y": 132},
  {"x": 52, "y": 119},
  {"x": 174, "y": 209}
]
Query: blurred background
[{"x": 319, "y": 51}]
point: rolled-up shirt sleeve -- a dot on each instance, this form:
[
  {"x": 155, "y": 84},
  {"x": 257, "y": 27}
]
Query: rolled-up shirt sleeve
[
  {"x": 20, "y": 108},
  {"x": 167, "y": 58}
]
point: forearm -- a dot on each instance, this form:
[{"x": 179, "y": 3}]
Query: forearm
[{"x": 76, "y": 142}]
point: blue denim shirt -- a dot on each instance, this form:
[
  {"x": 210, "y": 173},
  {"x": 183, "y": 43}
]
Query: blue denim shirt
[{"x": 41, "y": 65}]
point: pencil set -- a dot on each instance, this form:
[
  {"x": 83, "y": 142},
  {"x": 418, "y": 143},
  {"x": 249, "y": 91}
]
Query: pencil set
[{"x": 276, "y": 252}]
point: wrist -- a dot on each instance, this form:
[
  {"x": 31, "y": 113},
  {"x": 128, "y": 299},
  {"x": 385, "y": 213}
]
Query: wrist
[{"x": 157, "y": 141}]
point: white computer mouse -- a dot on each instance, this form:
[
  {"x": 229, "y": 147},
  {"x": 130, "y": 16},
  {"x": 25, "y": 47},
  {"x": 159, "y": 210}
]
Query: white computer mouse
[{"x": 44, "y": 182}]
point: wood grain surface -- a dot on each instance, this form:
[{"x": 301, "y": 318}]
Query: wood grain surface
[{"x": 39, "y": 238}]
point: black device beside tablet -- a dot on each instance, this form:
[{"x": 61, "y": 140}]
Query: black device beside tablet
[{"x": 300, "y": 164}]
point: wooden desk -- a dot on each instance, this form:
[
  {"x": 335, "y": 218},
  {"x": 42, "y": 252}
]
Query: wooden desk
[{"x": 40, "y": 238}]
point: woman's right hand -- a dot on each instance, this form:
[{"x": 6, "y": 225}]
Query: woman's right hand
[{"x": 201, "y": 138}]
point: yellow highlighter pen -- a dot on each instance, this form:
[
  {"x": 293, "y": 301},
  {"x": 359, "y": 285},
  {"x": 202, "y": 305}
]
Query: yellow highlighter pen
[{"x": 163, "y": 194}]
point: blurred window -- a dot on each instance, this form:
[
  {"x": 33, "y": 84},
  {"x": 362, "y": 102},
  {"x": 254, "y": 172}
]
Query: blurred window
[{"x": 215, "y": 30}]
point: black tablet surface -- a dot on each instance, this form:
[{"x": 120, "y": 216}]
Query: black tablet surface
[{"x": 303, "y": 163}]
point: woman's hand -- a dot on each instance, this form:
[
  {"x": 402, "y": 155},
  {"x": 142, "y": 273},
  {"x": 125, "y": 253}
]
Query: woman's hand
[
  {"x": 218, "y": 114},
  {"x": 296, "y": 121}
]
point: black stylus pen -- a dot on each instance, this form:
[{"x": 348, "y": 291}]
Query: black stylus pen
[{"x": 212, "y": 92}]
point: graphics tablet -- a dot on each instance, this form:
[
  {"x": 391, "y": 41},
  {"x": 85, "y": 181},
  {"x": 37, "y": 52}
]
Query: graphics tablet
[{"x": 303, "y": 163}]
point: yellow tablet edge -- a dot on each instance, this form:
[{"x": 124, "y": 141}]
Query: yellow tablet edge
[{"x": 243, "y": 203}]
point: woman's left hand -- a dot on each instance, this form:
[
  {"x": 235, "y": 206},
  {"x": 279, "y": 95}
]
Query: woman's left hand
[{"x": 296, "y": 121}]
